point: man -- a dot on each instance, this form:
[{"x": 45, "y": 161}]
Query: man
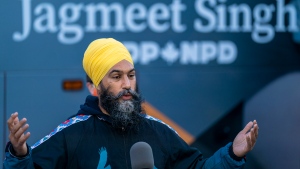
[{"x": 107, "y": 126}]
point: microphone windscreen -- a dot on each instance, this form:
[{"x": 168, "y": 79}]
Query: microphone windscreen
[{"x": 141, "y": 156}]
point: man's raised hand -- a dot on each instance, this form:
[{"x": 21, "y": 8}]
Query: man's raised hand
[
  {"x": 17, "y": 134},
  {"x": 246, "y": 139}
]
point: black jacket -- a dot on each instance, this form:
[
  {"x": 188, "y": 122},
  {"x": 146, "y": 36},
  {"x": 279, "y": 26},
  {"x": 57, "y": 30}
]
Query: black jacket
[{"x": 88, "y": 141}]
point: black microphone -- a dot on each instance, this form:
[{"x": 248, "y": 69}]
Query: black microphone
[{"x": 141, "y": 156}]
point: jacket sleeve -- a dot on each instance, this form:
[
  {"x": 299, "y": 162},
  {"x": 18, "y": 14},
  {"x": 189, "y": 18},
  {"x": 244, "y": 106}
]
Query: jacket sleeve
[
  {"x": 13, "y": 162},
  {"x": 222, "y": 160},
  {"x": 184, "y": 156},
  {"x": 48, "y": 153}
]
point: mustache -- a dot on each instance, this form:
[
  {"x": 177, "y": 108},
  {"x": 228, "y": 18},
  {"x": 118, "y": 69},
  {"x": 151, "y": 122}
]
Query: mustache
[{"x": 133, "y": 93}]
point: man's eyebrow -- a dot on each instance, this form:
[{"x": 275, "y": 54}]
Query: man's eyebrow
[
  {"x": 113, "y": 71},
  {"x": 119, "y": 71},
  {"x": 132, "y": 70}
]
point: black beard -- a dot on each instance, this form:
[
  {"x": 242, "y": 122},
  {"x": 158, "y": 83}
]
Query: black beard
[{"x": 124, "y": 114}]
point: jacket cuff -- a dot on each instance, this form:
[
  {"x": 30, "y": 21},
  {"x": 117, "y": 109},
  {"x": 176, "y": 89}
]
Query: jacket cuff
[
  {"x": 9, "y": 149},
  {"x": 233, "y": 156}
]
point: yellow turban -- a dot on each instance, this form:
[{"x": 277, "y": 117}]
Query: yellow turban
[{"x": 101, "y": 55}]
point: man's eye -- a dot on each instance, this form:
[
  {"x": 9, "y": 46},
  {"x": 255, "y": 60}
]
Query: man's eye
[
  {"x": 116, "y": 77},
  {"x": 132, "y": 75}
]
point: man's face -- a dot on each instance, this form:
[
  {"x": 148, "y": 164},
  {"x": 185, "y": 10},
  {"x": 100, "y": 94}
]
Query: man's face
[
  {"x": 118, "y": 96},
  {"x": 120, "y": 77}
]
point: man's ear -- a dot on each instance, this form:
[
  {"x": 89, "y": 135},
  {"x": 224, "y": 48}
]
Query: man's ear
[{"x": 91, "y": 88}]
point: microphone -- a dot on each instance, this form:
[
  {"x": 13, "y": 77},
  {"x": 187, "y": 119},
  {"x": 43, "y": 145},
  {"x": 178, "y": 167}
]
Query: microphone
[{"x": 141, "y": 156}]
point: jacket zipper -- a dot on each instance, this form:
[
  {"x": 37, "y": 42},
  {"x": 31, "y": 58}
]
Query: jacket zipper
[{"x": 124, "y": 141}]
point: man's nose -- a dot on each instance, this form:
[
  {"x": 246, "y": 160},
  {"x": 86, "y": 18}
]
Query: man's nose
[{"x": 126, "y": 83}]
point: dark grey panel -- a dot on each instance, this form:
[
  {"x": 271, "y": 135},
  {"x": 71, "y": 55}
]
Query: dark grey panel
[
  {"x": 38, "y": 96},
  {"x": 197, "y": 98},
  {"x": 276, "y": 108}
]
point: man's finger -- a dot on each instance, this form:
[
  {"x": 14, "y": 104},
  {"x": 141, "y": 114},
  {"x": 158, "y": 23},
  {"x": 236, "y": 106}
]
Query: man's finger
[
  {"x": 11, "y": 120},
  {"x": 18, "y": 125},
  {"x": 24, "y": 138},
  {"x": 247, "y": 127},
  {"x": 253, "y": 138},
  {"x": 21, "y": 131},
  {"x": 16, "y": 120},
  {"x": 249, "y": 143},
  {"x": 256, "y": 130}
]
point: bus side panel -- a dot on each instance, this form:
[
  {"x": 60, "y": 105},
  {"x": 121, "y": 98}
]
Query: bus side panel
[
  {"x": 2, "y": 118},
  {"x": 39, "y": 96}
]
